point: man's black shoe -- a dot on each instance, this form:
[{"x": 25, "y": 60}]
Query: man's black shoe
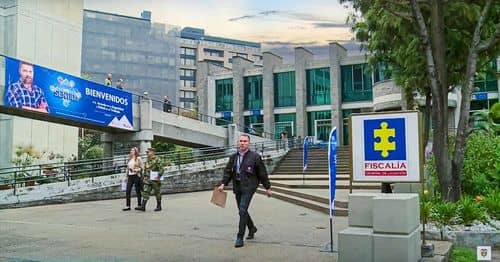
[
  {"x": 138, "y": 208},
  {"x": 238, "y": 243},
  {"x": 251, "y": 233},
  {"x": 126, "y": 209}
]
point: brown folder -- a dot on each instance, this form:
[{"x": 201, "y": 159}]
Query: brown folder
[{"x": 219, "y": 198}]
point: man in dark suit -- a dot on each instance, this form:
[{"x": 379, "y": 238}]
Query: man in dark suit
[{"x": 247, "y": 170}]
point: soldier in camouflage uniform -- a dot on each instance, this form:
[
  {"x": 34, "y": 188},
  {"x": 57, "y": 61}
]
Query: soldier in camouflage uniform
[{"x": 155, "y": 164}]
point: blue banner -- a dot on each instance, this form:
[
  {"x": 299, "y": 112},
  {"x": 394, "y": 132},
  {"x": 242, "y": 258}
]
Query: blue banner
[
  {"x": 304, "y": 153},
  {"x": 481, "y": 95},
  {"x": 255, "y": 112},
  {"x": 36, "y": 88},
  {"x": 332, "y": 167}
]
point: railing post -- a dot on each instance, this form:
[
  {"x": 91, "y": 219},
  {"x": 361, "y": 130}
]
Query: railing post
[
  {"x": 178, "y": 160},
  {"x": 15, "y": 182},
  {"x": 67, "y": 175}
]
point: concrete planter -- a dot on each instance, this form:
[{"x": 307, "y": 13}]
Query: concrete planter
[{"x": 466, "y": 238}]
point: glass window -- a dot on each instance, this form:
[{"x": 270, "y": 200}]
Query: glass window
[
  {"x": 285, "y": 122},
  {"x": 224, "y": 95},
  {"x": 356, "y": 83},
  {"x": 213, "y": 52},
  {"x": 284, "y": 89},
  {"x": 486, "y": 79},
  {"x": 188, "y": 51},
  {"x": 382, "y": 72},
  {"x": 254, "y": 124},
  {"x": 318, "y": 86},
  {"x": 318, "y": 115},
  {"x": 188, "y": 83},
  {"x": 253, "y": 92},
  {"x": 187, "y": 61}
]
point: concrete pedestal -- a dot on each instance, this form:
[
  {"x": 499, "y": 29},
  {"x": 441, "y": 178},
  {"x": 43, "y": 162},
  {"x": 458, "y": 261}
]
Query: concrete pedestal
[
  {"x": 361, "y": 209},
  {"x": 394, "y": 247},
  {"x": 356, "y": 244},
  {"x": 396, "y": 213}
]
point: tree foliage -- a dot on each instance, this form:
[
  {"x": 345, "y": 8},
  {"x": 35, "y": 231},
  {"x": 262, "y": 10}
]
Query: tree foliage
[{"x": 433, "y": 46}]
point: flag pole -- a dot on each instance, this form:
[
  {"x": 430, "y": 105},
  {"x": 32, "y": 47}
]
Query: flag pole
[{"x": 332, "y": 173}]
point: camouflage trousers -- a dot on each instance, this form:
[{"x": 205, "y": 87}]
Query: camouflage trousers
[{"x": 151, "y": 186}]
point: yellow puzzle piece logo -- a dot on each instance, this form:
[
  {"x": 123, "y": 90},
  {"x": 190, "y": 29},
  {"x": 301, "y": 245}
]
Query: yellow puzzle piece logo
[{"x": 383, "y": 134}]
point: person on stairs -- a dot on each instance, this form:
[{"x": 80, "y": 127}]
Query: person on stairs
[{"x": 153, "y": 170}]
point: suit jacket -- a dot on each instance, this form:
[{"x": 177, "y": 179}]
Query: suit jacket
[{"x": 252, "y": 172}]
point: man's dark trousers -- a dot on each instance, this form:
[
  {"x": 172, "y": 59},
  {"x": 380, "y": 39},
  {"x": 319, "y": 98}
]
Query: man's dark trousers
[{"x": 243, "y": 199}]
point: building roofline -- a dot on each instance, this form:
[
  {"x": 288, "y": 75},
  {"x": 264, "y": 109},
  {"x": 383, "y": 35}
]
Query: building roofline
[
  {"x": 300, "y": 47},
  {"x": 273, "y": 54},
  {"x": 337, "y": 43},
  {"x": 199, "y": 34},
  {"x": 119, "y": 15}
]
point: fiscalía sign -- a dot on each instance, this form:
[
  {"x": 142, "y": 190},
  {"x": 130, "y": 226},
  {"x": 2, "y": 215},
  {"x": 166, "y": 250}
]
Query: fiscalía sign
[{"x": 386, "y": 147}]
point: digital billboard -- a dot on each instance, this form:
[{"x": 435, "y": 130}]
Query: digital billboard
[{"x": 36, "y": 88}]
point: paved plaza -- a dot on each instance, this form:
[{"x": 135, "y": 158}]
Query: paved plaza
[{"x": 188, "y": 229}]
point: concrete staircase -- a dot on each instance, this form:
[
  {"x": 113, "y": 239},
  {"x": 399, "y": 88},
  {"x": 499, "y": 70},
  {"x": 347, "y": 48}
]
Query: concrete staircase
[{"x": 310, "y": 189}]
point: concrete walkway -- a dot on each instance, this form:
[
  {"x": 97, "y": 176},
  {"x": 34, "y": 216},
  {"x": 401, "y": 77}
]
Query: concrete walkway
[{"x": 188, "y": 229}]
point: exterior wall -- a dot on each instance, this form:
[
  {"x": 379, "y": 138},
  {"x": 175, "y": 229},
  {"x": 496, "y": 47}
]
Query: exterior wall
[
  {"x": 240, "y": 65},
  {"x": 302, "y": 58},
  {"x": 143, "y": 53},
  {"x": 336, "y": 52},
  {"x": 51, "y": 36},
  {"x": 271, "y": 61},
  {"x": 387, "y": 95}
]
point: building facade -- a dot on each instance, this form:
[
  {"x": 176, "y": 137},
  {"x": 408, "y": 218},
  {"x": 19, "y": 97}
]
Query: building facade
[
  {"x": 47, "y": 33},
  {"x": 197, "y": 47},
  {"x": 142, "y": 53},
  {"x": 310, "y": 96}
]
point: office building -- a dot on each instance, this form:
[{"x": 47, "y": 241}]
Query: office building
[
  {"x": 311, "y": 96},
  {"x": 142, "y": 53},
  {"x": 196, "y": 47}
]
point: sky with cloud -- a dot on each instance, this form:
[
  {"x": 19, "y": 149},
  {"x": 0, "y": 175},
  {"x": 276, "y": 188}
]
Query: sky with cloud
[{"x": 277, "y": 24}]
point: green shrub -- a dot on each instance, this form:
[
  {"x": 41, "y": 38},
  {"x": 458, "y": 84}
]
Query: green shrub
[
  {"x": 94, "y": 152},
  {"x": 462, "y": 254},
  {"x": 432, "y": 180},
  {"x": 469, "y": 210},
  {"x": 481, "y": 170},
  {"x": 491, "y": 202},
  {"x": 444, "y": 213}
]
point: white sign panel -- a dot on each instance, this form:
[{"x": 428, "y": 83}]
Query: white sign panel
[{"x": 386, "y": 147}]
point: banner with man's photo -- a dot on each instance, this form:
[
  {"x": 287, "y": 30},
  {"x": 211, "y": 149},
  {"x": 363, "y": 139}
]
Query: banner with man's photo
[{"x": 40, "y": 89}]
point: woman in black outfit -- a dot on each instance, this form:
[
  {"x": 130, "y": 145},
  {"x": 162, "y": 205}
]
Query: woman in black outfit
[{"x": 134, "y": 169}]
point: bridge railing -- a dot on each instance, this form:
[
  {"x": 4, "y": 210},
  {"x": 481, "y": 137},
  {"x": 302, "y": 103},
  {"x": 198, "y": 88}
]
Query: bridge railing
[
  {"x": 34, "y": 175},
  {"x": 194, "y": 114}
]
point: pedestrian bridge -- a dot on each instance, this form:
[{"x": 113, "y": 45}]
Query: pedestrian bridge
[
  {"x": 179, "y": 126},
  {"x": 152, "y": 123}
]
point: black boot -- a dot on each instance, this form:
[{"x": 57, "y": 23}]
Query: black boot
[
  {"x": 143, "y": 206},
  {"x": 158, "y": 205}
]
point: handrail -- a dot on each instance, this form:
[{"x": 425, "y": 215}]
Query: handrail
[
  {"x": 68, "y": 171},
  {"x": 168, "y": 155}
]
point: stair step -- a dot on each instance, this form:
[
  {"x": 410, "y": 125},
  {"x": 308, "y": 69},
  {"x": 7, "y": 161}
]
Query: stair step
[
  {"x": 323, "y": 208},
  {"x": 324, "y": 185},
  {"x": 306, "y": 177},
  {"x": 320, "y": 199}
]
